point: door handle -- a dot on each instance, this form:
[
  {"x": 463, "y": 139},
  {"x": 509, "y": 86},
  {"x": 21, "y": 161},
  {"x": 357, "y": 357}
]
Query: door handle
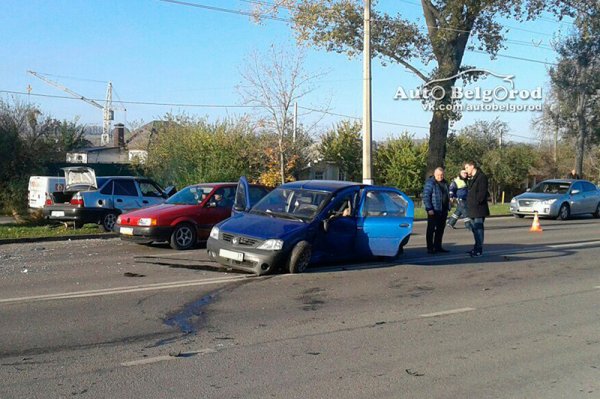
[
  {"x": 404, "y": 225},
  {"x": 119, "y": 200},
  {"x": 144, "y": 202}
]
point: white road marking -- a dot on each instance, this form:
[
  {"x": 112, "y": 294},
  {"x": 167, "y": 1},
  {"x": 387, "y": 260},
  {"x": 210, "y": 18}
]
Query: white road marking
[
  {"x": 573, "y": 245},
  {"x": 123, "y": 290},
  {"x": 166, "y": 358},
  {"x": 447, "y": 312}
]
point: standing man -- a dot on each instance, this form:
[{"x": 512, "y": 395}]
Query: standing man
[
  {"x": 458, "y": 193},
  {"x": 477, "y": 204},
  {"x": 573, "y": 175},
  {"x": 437, "y": 205}
]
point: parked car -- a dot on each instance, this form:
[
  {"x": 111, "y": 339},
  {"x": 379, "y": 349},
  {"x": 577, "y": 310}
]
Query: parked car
[
  {"x": 40, "y": 190},
  {"x": 185, "y": 218},
  {"x": 90, "y": 199},
  {"x": 558, "y": 198},
  {"x": 312, "y": 221}
]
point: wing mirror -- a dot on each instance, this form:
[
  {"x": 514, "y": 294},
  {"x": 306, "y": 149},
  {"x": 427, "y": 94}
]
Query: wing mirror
[
  {"x": 528, "y": 190},
  {"x": 169, "y": 191},
  {"x": 575, "y": 192}
]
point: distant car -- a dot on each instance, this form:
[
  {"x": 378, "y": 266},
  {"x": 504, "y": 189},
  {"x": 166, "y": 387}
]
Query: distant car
[
  {"x": 558, "y": 198},
  {"x": 40, "y": 189},
  {"x": 185, "y": 218},
  {"x": 312, "y": 221},
  {"x": 90, "y": 199}
]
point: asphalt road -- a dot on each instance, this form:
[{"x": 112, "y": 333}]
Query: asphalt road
[{"x": 108, "y": 319}]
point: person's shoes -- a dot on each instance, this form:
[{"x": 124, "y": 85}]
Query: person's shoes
[
  {"x": 443, "y": 250},
  {"x": 431, "y": 251},
  {"x": 451, "y": 225},
  {"x": 476, "y": 254}
]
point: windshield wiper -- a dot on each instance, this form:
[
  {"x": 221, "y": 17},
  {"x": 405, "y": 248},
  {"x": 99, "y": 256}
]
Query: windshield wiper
[
  {"x": 258, "y": 212},
  {"x": 288, "y": 216}
]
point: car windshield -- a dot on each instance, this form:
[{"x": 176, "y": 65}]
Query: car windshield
[
  {"x": 294, "y": 204},
  {"x": 551, "y": 188},
  {"x": 192, "y": 195}
]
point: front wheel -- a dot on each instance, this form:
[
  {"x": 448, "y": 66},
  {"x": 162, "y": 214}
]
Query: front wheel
[
  {"x": 564, "y": 212},
  {"x": 183, "y": 237},
  {"x": 300, "y": 257},
  {"x": 108, "y": 221}
]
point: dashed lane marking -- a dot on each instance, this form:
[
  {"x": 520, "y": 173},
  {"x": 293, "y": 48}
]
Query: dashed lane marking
[{"x": 447, "y": 312}]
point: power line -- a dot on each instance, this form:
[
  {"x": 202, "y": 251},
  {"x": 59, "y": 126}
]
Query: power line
[
  {"x": 515, "y": 57},
  {"x": 226, "y": 10}
]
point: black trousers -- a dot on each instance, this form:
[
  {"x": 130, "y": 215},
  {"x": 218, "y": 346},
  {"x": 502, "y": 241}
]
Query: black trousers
[{"x": 436, "y": 224}]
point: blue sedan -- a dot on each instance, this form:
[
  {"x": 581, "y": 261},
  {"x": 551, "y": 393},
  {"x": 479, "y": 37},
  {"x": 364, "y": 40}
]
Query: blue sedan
[{"x": 307, "y": 222}]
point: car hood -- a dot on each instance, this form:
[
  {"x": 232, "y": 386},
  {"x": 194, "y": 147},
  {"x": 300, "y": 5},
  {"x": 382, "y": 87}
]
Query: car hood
[
  {"x": 258, "y": 226},
  {"x": 157, "y": 211},
  {"x": 538, "y": 196}
]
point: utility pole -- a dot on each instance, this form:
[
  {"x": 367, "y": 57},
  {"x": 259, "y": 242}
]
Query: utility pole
[
  {"x": 367, "y": 104},
  {"x": 295, "y": 132}
]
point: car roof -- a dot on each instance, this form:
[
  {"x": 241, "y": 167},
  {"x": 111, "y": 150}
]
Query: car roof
[
  {"x": 321, "y": 185},
  {"x": 567, "y": 181}
]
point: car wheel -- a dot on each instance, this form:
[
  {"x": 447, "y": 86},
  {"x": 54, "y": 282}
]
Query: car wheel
[
  {"x": 564, "y": 212},
  {"x": 597, "y": 213},
  {"x": 183, "y": 237},
  {"x": 518, "y": 216},
  {"x": 300, "y": 257},
  {"x": 108, "y": 221}
]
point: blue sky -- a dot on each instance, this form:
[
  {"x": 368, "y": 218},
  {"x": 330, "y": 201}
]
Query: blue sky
[{"x": 154, "y": 51}]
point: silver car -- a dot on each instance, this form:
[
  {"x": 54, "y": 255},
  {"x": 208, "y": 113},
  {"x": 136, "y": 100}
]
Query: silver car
[{"x": 558, "y": 199}]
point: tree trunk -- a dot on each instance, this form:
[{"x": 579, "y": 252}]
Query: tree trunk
[
  {"x": 582, "y": 134},
  {"x": 438, "y": 132}
]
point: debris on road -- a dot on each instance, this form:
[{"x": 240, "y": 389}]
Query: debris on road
[{"x": 414, "y": 373}]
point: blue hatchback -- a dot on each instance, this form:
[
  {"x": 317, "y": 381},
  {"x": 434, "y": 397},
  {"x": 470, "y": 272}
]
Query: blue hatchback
[{"x": 311, "y": 221}]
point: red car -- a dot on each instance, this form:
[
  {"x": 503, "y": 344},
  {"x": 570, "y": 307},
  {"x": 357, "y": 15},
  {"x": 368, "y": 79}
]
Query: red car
[{"x": 185, "y": 218}]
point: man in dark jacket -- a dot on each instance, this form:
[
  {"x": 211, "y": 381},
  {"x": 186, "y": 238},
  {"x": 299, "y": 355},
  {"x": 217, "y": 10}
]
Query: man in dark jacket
[
  {"x": 437, "y": 204},
  {"x": 477, "y": 204}
]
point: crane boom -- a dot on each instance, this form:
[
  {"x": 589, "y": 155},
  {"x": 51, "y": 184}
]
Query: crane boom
[{"x": 107, "y": 112}]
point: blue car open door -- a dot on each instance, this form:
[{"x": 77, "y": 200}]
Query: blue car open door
[
  {"x": 242, "y": 196},
  {"x": 385, "y": 221}
]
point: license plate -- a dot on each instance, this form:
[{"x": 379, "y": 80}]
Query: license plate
[
  {"x": 128, "y": 231},
  {"x": 58, "y": 213},
  {"x": 526, "y": 209},
  {"x": 238, "y": 256}
]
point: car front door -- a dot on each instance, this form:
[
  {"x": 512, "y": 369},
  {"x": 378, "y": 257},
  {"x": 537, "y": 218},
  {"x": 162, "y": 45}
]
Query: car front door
[
  {"x": 576, "y": 198},
  {"x": 385, "y": 221},
  {"x": 151, "y": 193},
  {"x": 335, "y": 241}
]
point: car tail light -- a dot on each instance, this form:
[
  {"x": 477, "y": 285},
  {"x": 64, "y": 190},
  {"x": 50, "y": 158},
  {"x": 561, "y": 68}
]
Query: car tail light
[
  {"x": 48, "y": 200},
  {"x": 77, "y": 200}
]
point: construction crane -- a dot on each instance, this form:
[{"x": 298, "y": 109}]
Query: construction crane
[{"x": 108, "y": 115}]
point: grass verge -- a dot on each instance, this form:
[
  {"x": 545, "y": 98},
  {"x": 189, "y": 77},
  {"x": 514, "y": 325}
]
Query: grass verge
[
  {"x": 495, "y": 210},
  {"x": 15, "y": 231}
]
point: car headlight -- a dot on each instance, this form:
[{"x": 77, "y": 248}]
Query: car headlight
[
  {"x": 513, "y": 201},
  {"x": 214, "y": 233},
  {"x": 549, "y": 202},
  {"x": 147, "y": 222},
  {"x": 271, "y": 245}
]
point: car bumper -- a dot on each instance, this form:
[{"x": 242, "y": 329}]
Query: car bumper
[
  {"x": 74, "y": 214},
  {"x": 144, "y": 234},
  {"x": 254, "y": 260},
  {"x": 541, "y": 209}
]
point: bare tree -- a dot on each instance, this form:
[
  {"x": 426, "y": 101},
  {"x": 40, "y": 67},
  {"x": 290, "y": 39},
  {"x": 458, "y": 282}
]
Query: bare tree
[{"x": 273, "y": 82}]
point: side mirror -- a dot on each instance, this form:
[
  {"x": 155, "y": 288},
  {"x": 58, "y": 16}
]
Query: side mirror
[
  {"x": 326, "y": 225},
  {"x": 528, "y": 190},
  {"x": 575, "y": 192},
  {"x": 169, "y": 191}
]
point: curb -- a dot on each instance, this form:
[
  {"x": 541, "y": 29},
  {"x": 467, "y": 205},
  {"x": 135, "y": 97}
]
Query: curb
[
  {"x": 486, "y": 218},
  {"x": 102, "y": 236}
]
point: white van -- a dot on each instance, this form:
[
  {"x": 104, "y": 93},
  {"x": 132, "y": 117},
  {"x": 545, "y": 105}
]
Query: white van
[{"x": 41, "y": 188}]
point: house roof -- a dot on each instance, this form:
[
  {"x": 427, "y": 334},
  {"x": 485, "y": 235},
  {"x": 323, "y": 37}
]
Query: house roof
[{"x": 92, "y": 149}]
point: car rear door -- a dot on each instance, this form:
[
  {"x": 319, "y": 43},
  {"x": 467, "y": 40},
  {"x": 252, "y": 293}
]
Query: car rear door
[
  {"x": 385, "y": 220},
  {"x": 125, "y": 195},
  {"x": 576, "y": 200}
]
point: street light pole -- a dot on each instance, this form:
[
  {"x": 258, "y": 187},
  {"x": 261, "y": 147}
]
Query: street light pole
[{"x": 367, "y": 122}]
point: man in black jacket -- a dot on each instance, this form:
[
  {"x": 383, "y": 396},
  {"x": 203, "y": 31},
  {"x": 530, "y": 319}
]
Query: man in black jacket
[{"x": 477, "y": 204}]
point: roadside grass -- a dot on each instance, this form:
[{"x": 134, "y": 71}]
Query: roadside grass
[
  {"x": 14, "y": 231},
  {"x": 495, "y": 210}
]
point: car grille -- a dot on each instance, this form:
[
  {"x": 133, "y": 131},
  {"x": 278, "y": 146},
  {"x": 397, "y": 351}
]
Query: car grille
[
  {"x": 239, "y": 240},
  {"x": 527, "y": 202}
]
